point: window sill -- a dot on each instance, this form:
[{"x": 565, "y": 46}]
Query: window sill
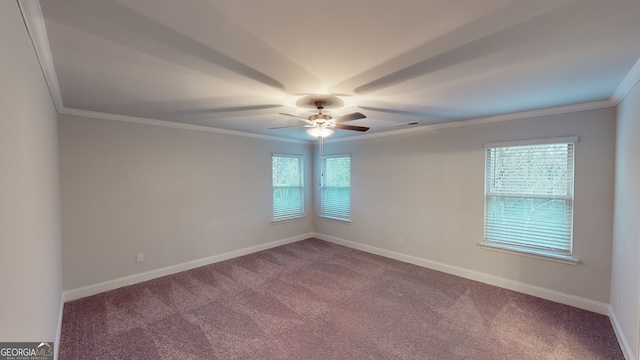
[
  {"x": 334, "y": 219},
  {"x": 288, "y": 219},
  {"x": 535, "y": 255}
]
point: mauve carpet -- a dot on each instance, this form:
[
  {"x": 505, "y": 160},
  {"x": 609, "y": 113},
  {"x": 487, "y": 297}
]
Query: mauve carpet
[{"x": 317, "y": 300}]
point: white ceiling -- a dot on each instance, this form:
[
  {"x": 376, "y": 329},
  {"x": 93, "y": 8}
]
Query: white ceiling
[{"x": 236, "y": 64}]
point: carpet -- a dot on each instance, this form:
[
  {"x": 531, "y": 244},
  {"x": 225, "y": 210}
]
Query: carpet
[{"x": 317, "y": 300}]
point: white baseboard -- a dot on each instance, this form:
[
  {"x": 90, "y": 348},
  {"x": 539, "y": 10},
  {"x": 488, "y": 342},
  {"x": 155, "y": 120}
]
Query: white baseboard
[
  {"x": 622, "y": 339},
  {"x": 563, "y": 298},
  {"x": 56, "y": 343},
  {"x": 556, "y": 296},
  {"x": 93, "y": 289}
]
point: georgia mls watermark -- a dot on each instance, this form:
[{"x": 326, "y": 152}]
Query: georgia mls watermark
[{"x": 26, "y": 351}]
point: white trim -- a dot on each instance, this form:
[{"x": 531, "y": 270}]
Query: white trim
[
  {"x": 627, "y": 84},
  {"x": 34, "y": 21},
  {"x": 275, "y": 222},
  {"x": 171, "y": 124},
  {"x": 56, "y": 343},
  {"x": 333, "y": 156},
  {"x": 554, "y": 140},
  {"x": 433, "y": 127},
  {"x": 593, "y": 105},
  {"x": 331, "y": 218},
  {"x": 93, "y": 289},
  {"x": 507, "y": 250},
  {"x": 617, "y": 329},
  {"x": 301, "y": 156},
  {"x": 552, "y": 295}
]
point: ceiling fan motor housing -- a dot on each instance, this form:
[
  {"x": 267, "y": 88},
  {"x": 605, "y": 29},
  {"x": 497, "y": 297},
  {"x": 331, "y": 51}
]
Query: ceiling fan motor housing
[
  {"x": 323, "y": 117},
  {"x": 322, "y": 121}
]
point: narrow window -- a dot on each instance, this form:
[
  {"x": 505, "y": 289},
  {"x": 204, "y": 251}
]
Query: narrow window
[
  {"x": 335, "y": 188},
  {"x": 288, "y": 189}
]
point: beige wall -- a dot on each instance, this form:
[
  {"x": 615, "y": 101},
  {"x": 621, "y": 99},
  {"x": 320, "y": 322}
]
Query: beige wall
[
  {"x": 625, "y": 280},
  {"x": 427, "y": 187},
  {"x": 179, "y": 196},
  {"x": 174, "y": 195},
  {"x": 30, "y": 249}
]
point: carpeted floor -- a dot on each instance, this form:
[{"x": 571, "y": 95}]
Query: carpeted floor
[{"x": 317, "y": 300}]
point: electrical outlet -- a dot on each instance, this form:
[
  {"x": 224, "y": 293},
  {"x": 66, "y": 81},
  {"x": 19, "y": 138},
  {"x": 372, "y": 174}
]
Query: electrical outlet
[
  {"x": 401, "y": 240},
  {"x": 618, "y": 298},
  {"x": 139, "y": 257}
]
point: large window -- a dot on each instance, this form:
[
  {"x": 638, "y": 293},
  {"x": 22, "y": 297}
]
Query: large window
[
  {"x": 335, "y": 187},
  {"x": 529, "y": 196},
  {"x": 288, "y": 190}
]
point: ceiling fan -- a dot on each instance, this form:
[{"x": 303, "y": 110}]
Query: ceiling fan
[{"x": 321, "y": 125}]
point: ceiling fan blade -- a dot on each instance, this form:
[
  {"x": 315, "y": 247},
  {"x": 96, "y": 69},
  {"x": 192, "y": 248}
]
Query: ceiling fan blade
[
  {"x": 351, "y": 127},
  {"x": 295, "y": 116},
  {"x": 287, "y": 127},
  {"x": 349, "y": 117}
]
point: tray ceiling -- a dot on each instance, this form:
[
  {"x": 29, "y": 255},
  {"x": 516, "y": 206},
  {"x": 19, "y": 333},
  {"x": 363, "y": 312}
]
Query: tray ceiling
[{"x": 235, "y": 64}]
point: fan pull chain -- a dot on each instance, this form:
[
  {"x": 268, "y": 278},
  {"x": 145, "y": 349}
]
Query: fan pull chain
[{"x": 321, "y": 167}]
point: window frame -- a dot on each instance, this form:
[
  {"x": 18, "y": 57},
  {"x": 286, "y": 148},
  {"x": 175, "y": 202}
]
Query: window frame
[
  {"x": 274, "y": 187},
  {"x": 566, "y": 254},
  {"x": 324, "y": 187}
]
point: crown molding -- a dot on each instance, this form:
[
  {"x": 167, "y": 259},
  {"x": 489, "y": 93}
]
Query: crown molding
[
  {"x": 593, "y": 105},
  {"x": 34, "y": 21},
  {"x": 627, "y": 83},
  {"x": 602, "y": 104},
  {"x": 171, "y": 124}
]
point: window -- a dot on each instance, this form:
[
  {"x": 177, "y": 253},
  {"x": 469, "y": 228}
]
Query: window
[
  {"x": 335, "y": 188},
  {"x": 288, "y": 190},
  {"x": 529, "y": 196}
]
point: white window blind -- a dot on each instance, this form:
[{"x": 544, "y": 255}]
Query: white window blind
[
  {"x": 335, "y": 190},
  {"x": 529, "y": 197},
  {"x": 288, "y": 190}
]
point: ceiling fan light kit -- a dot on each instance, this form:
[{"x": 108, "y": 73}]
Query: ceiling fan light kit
[
  {"x": 322, "y": 125},
  {"x": 320, "y": 132}
]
